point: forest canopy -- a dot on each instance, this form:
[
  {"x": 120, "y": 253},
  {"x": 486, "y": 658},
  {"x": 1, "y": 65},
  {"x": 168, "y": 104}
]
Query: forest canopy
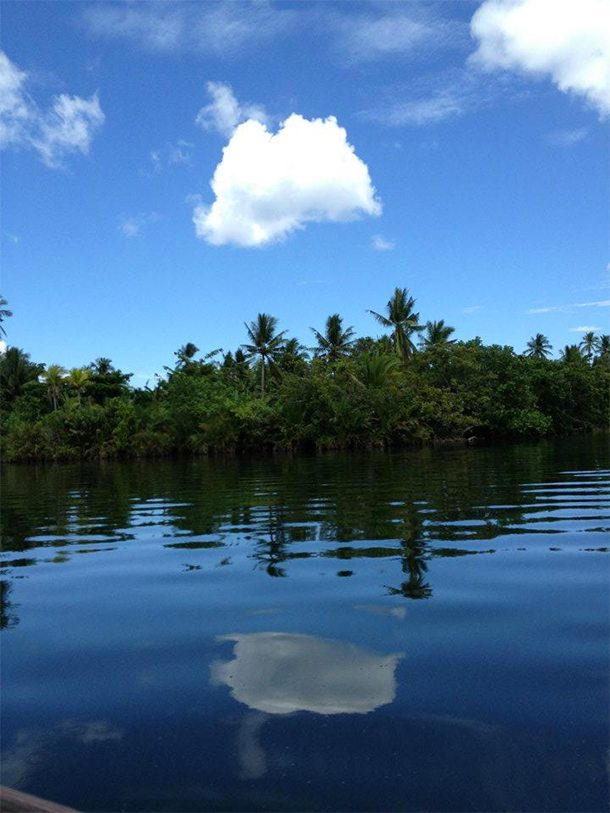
[{"x": 414, "y": 384}]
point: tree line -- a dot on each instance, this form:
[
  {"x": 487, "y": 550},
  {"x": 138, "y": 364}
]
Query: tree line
[{"x": 414, "y": 384}]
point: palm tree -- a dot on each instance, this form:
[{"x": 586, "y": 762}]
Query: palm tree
[
  {"x": 17, "y": 373},
  {"x": 402, "y": 320},
  {"x": 378, "y": 370},
  {"x": 292, "y": 357},
  {"x": 4, "y": 314},
  {"x": 571, "y": 353},
  {"x": 589, "y": 345},
  {"x": 335, "y": 342},
  {"x": 264, "y": 341},
  {"x": 603, "y": 347},
  {"x": 79, "y": 378},
  {"x": 539, "y": 347},
  {"x": 186, "y": 353},
  {"x": 54, "y": 378},
  {"x": 437, "y": 334}
]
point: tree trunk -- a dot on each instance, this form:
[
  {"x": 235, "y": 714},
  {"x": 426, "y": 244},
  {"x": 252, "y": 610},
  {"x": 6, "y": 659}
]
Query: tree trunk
[{"x": 262, "y": 375}]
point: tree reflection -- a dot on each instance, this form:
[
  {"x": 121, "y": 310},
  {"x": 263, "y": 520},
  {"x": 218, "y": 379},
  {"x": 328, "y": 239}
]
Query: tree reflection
[
  {"x": 414, "y": 563},
  {"x": 7, "y": 618},
  {"x": 404, "y": 508}
]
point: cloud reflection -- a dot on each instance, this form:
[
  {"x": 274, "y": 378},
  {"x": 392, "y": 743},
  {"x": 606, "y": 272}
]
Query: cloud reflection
[{"x": 279, "y": 673}]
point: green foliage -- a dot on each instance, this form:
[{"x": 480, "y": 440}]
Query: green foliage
[{"x": 351, "y": 394}]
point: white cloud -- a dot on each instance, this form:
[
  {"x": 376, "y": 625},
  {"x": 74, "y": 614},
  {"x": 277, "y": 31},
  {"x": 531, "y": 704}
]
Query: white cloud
[
  {"x": 224, "y": 113},
  {"x": 380, "y": 243},
  {"x": 565, "y": 40},
  {"x": 567, "y": 138},
  {"x": 472, "y": 309},
  {"x": 132, "y": 226},
  {"x": 584, "y": 329},
  {"x": 2, "y": 346},
  {"x": 269, "y": 184},
  {"x": 604, "y": 303},
  {"x": 67, "y": 126}
]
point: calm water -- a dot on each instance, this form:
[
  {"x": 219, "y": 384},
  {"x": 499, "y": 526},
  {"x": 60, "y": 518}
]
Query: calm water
[{"x": 424, "y": 631}]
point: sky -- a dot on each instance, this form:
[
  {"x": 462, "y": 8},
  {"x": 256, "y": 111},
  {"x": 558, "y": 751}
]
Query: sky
[{"x": 171, "y": 169}]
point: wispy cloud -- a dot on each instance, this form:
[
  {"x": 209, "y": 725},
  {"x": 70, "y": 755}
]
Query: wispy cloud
[
  {"x": 12, "y": 238},
  {"x": 403, "y": 30},
  {"x": 433, "y": 98},
  {"x": 381, "y": 243},
  {"x": 472, "y": 309},
  {"x": 132, "y": 226},
  {"x": 584, "y": 329},
  {"x": 224, "y": 112},
  {"x": 567, "y": 138},
  {"x": 219, "y": 29},
  {"x": 178, "y": 152},
  {"x": 549, "y": 309},
  {"x": 565, "y": 41},
  {"x": 67, "y": 126},
  {"x": 603, "y": 303}
]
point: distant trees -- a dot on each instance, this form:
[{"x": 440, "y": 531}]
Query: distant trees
[
  {"x": 270, "y": 393},
  {"x": 403, "y": 321},
  {"x": 539, "y": 347}
]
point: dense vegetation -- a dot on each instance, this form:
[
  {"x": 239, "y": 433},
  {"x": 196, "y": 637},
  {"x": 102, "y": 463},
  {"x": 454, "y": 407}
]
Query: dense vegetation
[{"x": 415, "y": 385}]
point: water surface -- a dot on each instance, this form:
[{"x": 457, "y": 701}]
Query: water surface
[{"x": 422, "y": 631}]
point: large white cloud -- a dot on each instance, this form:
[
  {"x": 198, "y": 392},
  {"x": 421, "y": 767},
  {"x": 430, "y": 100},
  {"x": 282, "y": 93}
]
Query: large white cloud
[
  {"x": 566, "y": 40},
  {"x": 67, "y": 126},
  {"x": 269, "y": 184}
]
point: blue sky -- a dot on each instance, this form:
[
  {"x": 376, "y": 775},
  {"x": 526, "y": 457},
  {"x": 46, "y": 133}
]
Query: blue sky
[{"x": 466, "y": 160}]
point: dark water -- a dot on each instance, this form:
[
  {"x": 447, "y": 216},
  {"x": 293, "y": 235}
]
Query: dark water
[{"x": 424, "y": 631}]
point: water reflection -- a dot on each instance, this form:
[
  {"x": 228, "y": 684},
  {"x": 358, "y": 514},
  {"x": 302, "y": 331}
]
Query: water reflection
[
  {"x": 32, "y": 747},
  {"x": 504, "y": 703},
  {"x": 275, "y": 673},
  {"x": 280, "y": 673},
  {"x": 283, "y": 514}
]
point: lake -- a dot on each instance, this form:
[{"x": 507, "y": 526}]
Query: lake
[{"x": 417, "y": 631}]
